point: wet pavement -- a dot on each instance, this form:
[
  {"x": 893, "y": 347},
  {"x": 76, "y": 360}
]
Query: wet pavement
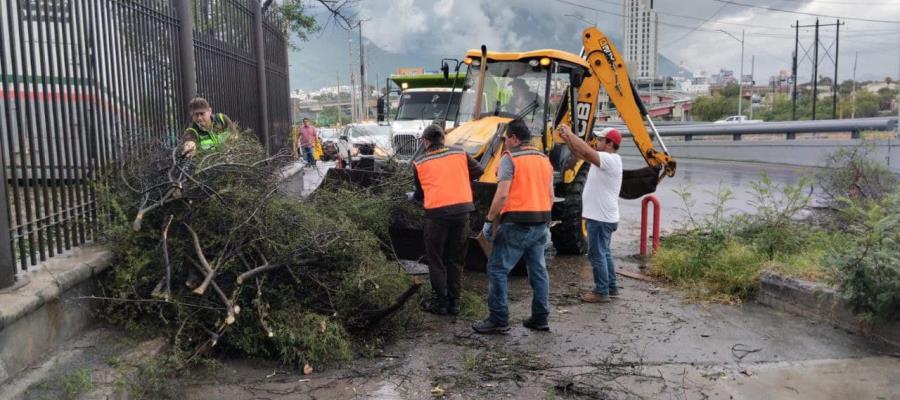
[{"x": 648, "y": 344}]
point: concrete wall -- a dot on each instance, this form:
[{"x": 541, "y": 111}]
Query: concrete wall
[
  {"x": 50, "y": 309},
  {"x": 810, "y": 152}
]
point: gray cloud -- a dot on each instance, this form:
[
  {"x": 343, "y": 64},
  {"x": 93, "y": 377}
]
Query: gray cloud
[{"x": 420, "y": 31}]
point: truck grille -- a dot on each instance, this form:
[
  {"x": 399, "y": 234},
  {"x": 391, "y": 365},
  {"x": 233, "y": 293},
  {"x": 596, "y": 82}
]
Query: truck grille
[{"x": 405, "y": 145}]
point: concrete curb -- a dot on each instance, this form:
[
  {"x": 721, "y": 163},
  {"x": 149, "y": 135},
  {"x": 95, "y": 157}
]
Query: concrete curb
[
  {"x": 822, "y": 303},
  {"x": 37, "y": 317}
]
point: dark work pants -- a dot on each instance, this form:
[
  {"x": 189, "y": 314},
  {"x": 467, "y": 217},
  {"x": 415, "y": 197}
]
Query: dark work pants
[{"x": 445, "y": 250}]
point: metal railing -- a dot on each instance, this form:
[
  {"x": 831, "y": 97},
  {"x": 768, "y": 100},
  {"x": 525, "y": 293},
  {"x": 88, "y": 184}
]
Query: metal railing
[
  {"x": 84, "y": 82},
  {"x": 787, "y": 128}
]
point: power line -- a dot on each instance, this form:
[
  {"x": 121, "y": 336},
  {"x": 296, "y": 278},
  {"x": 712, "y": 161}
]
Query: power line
[
  {"x": 806, "y": 13},
  {"x": 669, "y": 24},
  {"x": 698, "y": 26},
  {"x": 671, "y": 14},
  {"x": 847, "y": 3}
]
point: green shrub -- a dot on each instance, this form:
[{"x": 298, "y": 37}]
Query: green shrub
[{"x": 867, "y": 263}]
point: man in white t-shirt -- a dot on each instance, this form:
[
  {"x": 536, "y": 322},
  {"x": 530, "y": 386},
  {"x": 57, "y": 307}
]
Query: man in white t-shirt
[{"x": 600, "y": 205}]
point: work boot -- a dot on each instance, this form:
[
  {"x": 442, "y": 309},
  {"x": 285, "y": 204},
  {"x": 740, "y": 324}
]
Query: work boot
[
  {"x": 453, "y": 307},
  {"x": 487, "y": 327},
  {"x": 435, "y": 306},
  {"x": 614, "y": 294},
  {"x": 593, "y": 297},
  {"x": 537, "y": 324}
]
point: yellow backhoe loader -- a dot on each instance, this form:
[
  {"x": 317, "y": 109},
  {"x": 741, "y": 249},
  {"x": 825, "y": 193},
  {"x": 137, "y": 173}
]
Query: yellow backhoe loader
[{"x": 546, "y": 88}]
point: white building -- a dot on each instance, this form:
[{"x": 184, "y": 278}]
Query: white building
[{"x": 641, "y": 38}]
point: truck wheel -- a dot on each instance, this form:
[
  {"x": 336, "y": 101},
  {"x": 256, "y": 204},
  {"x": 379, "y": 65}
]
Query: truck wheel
[{"x": 568, "y": 236}]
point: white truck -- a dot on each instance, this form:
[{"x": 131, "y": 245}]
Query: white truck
[
  {"x": 737, "y": 119},
  {"x": 417, "y": 109}
]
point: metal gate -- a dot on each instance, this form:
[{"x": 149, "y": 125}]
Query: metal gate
[{"x": 84, "y": 81}]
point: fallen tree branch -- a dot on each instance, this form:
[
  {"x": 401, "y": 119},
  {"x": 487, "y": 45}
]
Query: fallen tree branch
[{"x": 378, "y": 315}]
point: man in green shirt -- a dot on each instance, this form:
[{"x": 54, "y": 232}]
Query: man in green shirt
[{"x": 207, "y": 130}]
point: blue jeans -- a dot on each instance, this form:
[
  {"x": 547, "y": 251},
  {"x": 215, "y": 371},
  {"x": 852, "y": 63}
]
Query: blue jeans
[
  {"x": 599, "y": 236},
  {"x": 513, "y": 242},
  {"x": 307, "y": 155}
]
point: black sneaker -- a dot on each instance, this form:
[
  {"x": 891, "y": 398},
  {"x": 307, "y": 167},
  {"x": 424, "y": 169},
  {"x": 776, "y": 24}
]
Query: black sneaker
[
  {"x": 614, "y": 294},
  {"x": 453, "y": 308},
  {"x": 487, "y": 327},
  {"x": 532, "y": 324}
]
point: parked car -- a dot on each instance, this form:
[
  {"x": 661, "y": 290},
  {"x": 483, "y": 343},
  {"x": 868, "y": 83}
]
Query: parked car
[
  {"x": 737, "y": 119},
  {"x": 329, "y": 138},
  {"x": 365, "y": 142}
]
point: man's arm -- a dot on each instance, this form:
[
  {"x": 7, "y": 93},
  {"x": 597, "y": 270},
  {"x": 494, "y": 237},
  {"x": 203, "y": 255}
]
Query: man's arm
[
  {"x": 475, "y": 170},
  {"x": 579, "y": 147},
  {"x": 504, "y": 174},
  {"x": 499, "y": 200},
  {"x": 419, "y": 193}
]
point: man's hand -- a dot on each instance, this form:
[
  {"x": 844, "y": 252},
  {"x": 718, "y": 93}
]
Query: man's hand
[
  {"x": 488, "y": 231},
  {"x": 564, "y": 131},
  {"x": 188, "y": 148}
]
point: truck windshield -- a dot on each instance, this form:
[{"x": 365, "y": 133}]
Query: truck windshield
[
  {"x": 510, "y": 87},
  {"x": 426, "y": 105}
]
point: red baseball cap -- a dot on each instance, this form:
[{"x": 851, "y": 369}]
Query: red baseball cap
[{"x": 612, "y": 134}]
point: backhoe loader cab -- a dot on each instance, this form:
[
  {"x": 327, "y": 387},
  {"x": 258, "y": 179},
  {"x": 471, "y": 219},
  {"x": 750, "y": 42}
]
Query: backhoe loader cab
[
  {"x": 530, "y": 85},
  {"x": 535, "y": 86}
]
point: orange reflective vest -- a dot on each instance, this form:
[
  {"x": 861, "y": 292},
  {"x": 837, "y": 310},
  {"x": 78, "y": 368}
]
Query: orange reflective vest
[
  {"x": 444, "y": 177},
  {"x": 529, "y": 192}
]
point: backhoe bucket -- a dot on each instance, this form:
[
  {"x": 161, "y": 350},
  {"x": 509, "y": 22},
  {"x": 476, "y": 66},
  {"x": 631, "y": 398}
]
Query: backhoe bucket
[{"x": 638, "y": 182}]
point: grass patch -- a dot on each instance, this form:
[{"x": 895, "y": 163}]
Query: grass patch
[
  {"x": 472, "y": 306},
  {"x": 720, "y": 258},
  {"x": 77, "y": 383}
]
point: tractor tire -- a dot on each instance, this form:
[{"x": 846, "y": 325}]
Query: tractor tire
[{"x": 567, "y": 235}]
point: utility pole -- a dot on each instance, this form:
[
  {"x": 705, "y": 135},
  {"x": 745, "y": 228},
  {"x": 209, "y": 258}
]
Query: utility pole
[
  {"x": 815, "y": 77},
  {"x": 794, "y": 74},
  {"x": 853, "y": 91},
  {"x": 353, "y": 109},
  {"x": 339, "y": 98},
  {"x": 741, "y": 73},
  {"x": 752, "y": 81},
  {"x": 815, "y": 65},
  {"x": 837, "y": 37},
  {"x": 741, "y": 80},
  {"x": 364, "y": 105}
]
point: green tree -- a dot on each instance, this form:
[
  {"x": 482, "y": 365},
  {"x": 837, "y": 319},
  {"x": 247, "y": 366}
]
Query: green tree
[
  {"x": 887, "y": 94},
  {"x": 711, "y": 108},
  {"x": 731, "y": 90},
  {"x": 330, "y": 113},
  {"x": 867, "y": 104}
]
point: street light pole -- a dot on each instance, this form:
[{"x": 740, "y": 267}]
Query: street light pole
[{"x": 741, "y": 77}]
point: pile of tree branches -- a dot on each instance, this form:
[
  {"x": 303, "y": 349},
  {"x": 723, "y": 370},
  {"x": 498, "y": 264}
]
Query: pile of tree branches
[{"x": 211, "y": 254}]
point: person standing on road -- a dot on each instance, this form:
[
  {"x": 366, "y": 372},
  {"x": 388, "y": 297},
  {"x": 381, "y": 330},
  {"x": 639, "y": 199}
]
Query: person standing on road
[
  {"x": 443, "y": 177},
  {"x": 207, "y": 128},
  {"x": 308, "y": 143},
  {"x": 517, "y": 224},
  {"x": 600, "y": 206}
]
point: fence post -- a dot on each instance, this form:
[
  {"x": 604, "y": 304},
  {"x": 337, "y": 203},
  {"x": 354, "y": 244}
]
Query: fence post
[
  {"x": 186, "y": 52},
  {"x": 7, "y": 261},
  {"x": 261, "y": 74}
]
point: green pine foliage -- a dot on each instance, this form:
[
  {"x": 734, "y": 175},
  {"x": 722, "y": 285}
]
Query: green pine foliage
[{"x": 331, "y": 264}]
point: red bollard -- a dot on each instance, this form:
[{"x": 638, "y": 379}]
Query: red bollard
[{"x": 655, "y": 201}]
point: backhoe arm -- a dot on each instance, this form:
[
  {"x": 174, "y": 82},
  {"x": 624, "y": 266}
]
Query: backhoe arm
[{"x": 608, "y": 69}]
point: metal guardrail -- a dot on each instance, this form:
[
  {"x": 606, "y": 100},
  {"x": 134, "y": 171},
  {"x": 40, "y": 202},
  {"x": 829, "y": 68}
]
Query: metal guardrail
[{"x": 787, "y": 128}]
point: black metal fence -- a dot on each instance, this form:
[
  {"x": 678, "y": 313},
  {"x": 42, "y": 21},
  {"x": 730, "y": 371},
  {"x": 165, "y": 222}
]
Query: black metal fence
[{"x": 84, "y": 81}]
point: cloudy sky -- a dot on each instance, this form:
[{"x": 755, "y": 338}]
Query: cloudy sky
[{"x": 417, "y": 33}]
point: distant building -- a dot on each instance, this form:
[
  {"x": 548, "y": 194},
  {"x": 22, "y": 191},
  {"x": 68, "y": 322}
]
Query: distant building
[{"x": 641, "y": 38}]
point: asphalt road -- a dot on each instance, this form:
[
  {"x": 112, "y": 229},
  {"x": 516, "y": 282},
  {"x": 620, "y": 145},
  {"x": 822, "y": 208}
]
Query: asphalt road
[{"x": 703, "y": 180}]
